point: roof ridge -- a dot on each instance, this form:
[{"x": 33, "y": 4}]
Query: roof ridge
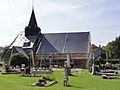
[{"x": 66, "y": 33}]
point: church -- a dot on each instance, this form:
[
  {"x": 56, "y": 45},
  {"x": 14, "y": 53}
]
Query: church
[{"x": 50, "y": 48}]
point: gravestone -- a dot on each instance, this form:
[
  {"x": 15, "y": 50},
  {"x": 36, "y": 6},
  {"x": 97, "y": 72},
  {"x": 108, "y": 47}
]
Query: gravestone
[
  {"x": 23, "y": 66},
  {"x": 68, "y": 64},
  {"x": 65, "y": 81},
  {"x": 93, "y": 66},
  {"x": 6, "y": 68},
  {"x": 23, "y": 69},
  {"x": 27, "y": 70}
]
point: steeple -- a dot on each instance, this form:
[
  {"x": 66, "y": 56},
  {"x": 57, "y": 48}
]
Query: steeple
[
  {"x": 32, "y": 29},
  {"x": 32, "y": 22}
]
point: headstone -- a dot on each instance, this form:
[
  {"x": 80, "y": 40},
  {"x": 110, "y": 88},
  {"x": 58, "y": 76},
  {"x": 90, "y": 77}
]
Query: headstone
[
  {"x": 6, "y": 68},
  {"x": 23, "y": 66},
  {"x": 65, "y": 81},
  {"x": 17, "y": 67},
  {"x": 23, "y": 69},
  {"x": 27, "y": 71},
  {"x": 68, "y": 64},
  {"x": 93, "y": 65}
]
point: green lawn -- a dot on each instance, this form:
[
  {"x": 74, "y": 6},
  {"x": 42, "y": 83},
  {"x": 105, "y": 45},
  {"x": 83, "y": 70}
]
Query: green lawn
[{"x": 82, "y": 81}]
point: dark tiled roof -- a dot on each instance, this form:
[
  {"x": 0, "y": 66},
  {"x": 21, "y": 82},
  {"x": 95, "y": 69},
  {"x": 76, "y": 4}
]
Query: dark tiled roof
[
  {"x": 63, "y": 42},
  {"x": 7, "y": 54},
  {"x": 15, "y": 50},
  {"x": 22, "y": 41},
  {"x": 20, "y": 50},
  {"x": 32, "y": 21},
  {"x": 32, "y": 29}
]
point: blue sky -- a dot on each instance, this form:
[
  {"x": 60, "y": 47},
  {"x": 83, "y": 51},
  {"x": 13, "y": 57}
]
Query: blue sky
[{"x": 100, "y": 17}]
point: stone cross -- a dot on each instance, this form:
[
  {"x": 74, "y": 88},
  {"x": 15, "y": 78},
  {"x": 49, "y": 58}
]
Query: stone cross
[
  {"x": 93, "y": 65},
  {"x": 65, "y": 81},
  {"x": 68, "y": 64}
]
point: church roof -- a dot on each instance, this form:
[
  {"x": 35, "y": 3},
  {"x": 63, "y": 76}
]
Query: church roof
[
  {"x": 32, "y": 21},
  {"x": 22, "y": 41},
  {"x": 14, "y": 50},
  {"x": 32, "y": 29},
  {"x": 77, "y": 42}
]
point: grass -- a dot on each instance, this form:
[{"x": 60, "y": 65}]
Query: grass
[{"x": 82, "y": 81}]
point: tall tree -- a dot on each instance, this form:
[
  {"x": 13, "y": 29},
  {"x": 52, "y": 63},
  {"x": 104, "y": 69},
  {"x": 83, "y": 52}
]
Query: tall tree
[{"x": 113, "y": 48}]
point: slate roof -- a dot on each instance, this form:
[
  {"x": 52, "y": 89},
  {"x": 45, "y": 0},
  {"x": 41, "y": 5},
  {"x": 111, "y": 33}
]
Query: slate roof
[
  {"x": 32, "y": 21},
  {"x": 7, "y": 54},
  {"x": 14, "y": 50},
  {"x": 20, "y": 50},
  {"x": 32, "y": 29},
  {"x": 22, "y": 41},
  {"x": 77, "y": 42},
  {"x": 25, "y": 39}
]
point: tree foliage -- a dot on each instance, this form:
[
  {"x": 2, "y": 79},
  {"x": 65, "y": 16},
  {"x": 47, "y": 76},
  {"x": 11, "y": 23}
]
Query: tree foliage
[
  {"x": 18, "y": 59},
  {"x": 99, "y": 58},
  {"x": 113, "y": 48},
  {"x": 0, "y": 56},
  {"x": 1, "y": 52}
]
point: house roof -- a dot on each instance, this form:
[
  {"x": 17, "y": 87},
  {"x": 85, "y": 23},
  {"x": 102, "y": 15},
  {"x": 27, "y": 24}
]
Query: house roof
[{"x": 77, "y": 42}]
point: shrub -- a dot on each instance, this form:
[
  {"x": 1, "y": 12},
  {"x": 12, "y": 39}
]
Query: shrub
[
  {"x": 99, "y": 58},
  {"x": 18, "y": 59}
]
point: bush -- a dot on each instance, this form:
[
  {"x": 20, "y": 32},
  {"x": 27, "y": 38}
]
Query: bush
[
  {"x": 18, "y": 59},
  {"x": 108, "y": 65}
]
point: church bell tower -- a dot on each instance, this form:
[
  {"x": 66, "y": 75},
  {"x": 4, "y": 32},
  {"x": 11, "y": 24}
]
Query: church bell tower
[{"x": 32, "y": 29}]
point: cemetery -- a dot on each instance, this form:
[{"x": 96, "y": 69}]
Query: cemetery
[
  {"x": 83, "y": 81},
  {"x": 67, "y": 78},
  {"x": 56, "y": 61},
  {"x": 102, "y": 76}
]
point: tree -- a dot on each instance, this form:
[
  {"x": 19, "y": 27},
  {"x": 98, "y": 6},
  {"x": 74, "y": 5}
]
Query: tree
[
  {"x": 113, "y": 48},
  {"x": 99, "y": 58},
  {"x": 0, "y": 56},
  {"x": 1, "y": 52},
  {"x": 18, "y": 59}
]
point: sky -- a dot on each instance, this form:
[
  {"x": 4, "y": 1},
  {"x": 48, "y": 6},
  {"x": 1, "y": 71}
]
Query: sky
[{"x": 99, "y": 17}]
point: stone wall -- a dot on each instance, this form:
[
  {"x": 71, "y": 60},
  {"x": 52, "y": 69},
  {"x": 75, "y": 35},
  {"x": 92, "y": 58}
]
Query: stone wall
[{"x": 78, "y": 59}]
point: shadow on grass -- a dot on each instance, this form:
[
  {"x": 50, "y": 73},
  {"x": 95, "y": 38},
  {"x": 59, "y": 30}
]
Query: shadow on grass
[
  {"x": 75, "y": 86},
  {"x": 73, "y": 75}
]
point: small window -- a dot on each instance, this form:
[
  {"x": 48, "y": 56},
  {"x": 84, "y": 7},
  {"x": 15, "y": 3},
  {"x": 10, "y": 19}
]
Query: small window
[{"x": 26, "y": 44}]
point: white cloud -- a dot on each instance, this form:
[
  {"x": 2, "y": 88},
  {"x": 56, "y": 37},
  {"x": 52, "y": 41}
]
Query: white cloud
[
  {"x": 52, "y": 8},
  {"x": 22, "y": 18}
]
